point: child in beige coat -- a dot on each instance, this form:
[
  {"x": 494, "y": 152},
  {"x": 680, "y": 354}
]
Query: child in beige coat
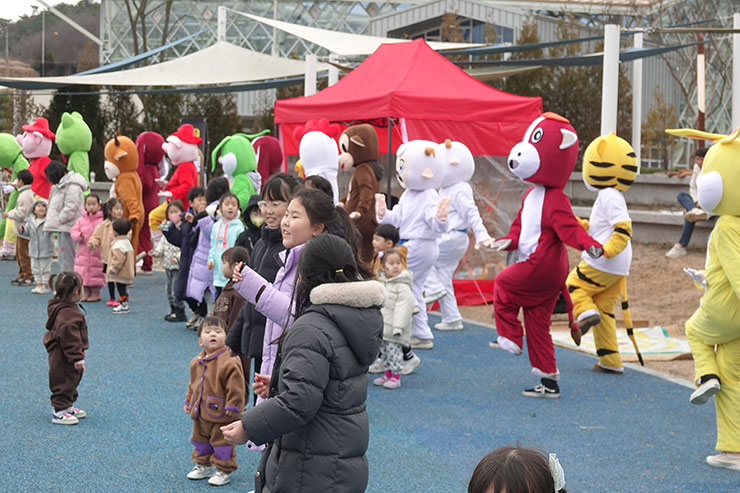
[{"x": 121, "y": 263}]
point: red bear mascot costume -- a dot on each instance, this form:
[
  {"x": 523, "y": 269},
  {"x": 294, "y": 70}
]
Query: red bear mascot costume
[
  {"x": 151, "y": 154},
  {"x": 544, "y": 225}
]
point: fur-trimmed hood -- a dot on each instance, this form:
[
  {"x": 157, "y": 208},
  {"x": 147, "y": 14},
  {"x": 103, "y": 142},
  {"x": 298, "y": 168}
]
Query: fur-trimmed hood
[{"x": 355, "y": 309}]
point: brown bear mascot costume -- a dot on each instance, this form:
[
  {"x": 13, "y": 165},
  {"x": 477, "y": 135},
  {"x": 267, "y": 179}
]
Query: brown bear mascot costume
[
  {"x": 121, "y": 162},
  {"x": 359, "y": 149}
]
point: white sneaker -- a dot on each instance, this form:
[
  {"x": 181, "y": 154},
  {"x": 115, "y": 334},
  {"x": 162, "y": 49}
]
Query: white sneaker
[
  {"x": 409, "y": 365},
  {"x": 696, "y": 214},
  {"x": 76, "y": 412},
  {"x": 40, "y": 290},
  {"x": 588, "y": 319},
  {"x": 200, "y": 472},
  {"x": 63, "y": 418},
  {"x": 728, "y": 460},
  {"x": 705, "y": 391},
  {"x": 505, "y": 344},
  {"x": 121, "y": 309},
  {"x": 676, "y": 251},
  {"x": 219, "y": 479},
  {"x": 376, "y": 367},
  {"x": 431, "y": 298},
  {"x": 458, "y": 325},
  {"x": 417, "y": 343}
]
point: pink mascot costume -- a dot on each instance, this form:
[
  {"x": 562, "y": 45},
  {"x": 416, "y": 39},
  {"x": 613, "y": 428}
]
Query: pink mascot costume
[
  {"x": 544, "y": 225},
  {"x": 151, "y": 154},
  {"x": 36, "y": 142}
]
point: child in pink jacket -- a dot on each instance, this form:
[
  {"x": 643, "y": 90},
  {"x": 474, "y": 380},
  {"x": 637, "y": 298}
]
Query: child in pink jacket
[{"x": 87, "y": 262}]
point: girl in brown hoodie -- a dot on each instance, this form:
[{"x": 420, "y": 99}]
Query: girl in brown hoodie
[{"x": 65, "y": 341}]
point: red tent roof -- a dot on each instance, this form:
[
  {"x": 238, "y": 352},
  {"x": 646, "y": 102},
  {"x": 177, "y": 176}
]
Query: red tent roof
[{"x": 412, "y": 81}]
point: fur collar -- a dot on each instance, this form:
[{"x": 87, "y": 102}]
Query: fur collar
[{"x": 360, "y": 294}]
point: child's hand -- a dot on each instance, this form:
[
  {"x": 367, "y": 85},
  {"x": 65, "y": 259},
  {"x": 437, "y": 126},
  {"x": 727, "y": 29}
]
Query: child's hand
[
  {"x": 210, "y": 264},
  {"x": 230, "y": 413},
  {"x": 186, "y": 409},
  {"x": 20, "y": 228},
  {"x": 380, "y": 207},
  {"x": 234, "y": 433},
  {"x": 189, "y": 217},
  {"x": 237, "y": 275},
  {"x": 80, "y": 365},
  {"x": 261, "y": 385},
  {"x": 5, "y": 214}
]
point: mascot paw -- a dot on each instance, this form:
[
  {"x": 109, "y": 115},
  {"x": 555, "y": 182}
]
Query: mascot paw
[
  {"x": 575, "y": 334},
  {"x": 380, "y": 207},
  {"x": 595, "y": 252},
  {"x": 355, "y": 215}
]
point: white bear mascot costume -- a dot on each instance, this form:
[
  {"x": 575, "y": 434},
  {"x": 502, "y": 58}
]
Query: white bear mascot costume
[
  {"x": 421, "y": 218},
  {"x": 459, "y": 167},
  {"x": 319, "y": 151}
]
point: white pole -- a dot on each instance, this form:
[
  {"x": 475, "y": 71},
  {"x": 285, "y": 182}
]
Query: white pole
[
  {"x": 736, "y": 72},
  {"x": 333, "y": 71},
  {"x": 637, "y": 100},
  {"x": 701, "y": 85},
  {"x": 275, "y": 49},
  {"x": 309, "y": 84},
  {"x": 43, "y": 41},
  {"x": 610, "y": 83},
  {"x": 221, "y": 30}
]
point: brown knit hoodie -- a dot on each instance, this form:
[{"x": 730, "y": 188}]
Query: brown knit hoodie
[{"x": 66, "y": 329}]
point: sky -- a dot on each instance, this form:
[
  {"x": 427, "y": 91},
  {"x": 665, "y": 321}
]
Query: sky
[{"x": 13, "y": 9}]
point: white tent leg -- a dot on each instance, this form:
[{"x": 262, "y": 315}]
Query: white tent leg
[
  {"x": 637, "y": 100},
  {"x": 736, "y": 72},
  {"x": 610, "y": 83},
  {"x": 309, "y": 84}
]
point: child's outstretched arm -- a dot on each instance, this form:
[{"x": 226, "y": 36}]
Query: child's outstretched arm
[
  {"x": 269, "y": 301},
  {"x": 94, "y": 242}
]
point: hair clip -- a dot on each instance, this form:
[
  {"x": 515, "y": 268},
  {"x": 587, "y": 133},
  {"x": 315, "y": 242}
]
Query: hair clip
[{"x": 339, "y": 270}]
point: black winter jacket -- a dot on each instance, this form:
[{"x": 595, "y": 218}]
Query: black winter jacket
[
  {"x": 246, "y": 334},
  {"x": 251, "y": 234},
  {"x": 316, "y": 421}
]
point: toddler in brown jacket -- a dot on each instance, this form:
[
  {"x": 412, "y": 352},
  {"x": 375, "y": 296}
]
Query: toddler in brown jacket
[
  {"x": 65, "y": 340},
  {"x": 215, "y": 397}
]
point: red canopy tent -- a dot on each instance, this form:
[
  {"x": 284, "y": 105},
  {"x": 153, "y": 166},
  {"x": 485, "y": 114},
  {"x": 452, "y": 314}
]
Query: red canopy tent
[{"x": 412, "y": 88}]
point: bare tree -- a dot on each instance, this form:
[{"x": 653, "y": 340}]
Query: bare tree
[{"x": 138, "y": 13}]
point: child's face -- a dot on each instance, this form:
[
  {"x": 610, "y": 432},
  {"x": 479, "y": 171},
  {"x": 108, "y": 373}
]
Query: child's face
[
  {"x": 212, "y": 338},
  {"x": 296, "y": 225},
  {"x": 227, "y": 269},
  {"x": 175, "y": 215},
  {"x": 256, "y": 218},
  {"x": 92, "y": 206},
  {"x": 380, "y": 244},
  {"x": 116, "y": 211},
  {"x": 229, "y": 208},
  {"x": 392, "y": 266},
  {"x": 198, "y": 204},
  {"x": 39, "y": 210}
]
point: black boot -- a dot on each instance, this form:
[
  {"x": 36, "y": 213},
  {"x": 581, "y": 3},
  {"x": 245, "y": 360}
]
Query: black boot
[
  {"x": 177, "y": 315},
  {"x": 170, "y": 314}
]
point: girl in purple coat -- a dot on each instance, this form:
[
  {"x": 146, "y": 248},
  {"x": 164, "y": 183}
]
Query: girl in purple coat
[
  {"x": 311, "y": 212},
  {"x": 200, "y": 278},
  {"x": 87, "y": 262}
]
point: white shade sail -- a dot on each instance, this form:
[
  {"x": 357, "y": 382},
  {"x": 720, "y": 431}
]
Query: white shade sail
[
  {"x": 346, "y": 44},
  {"x": 220, "y": 64}
]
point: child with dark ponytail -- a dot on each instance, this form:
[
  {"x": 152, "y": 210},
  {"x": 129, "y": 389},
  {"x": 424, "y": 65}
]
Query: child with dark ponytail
[{"x": 66, "y": 342}]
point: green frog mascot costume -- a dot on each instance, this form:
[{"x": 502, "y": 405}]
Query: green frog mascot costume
[
  {"x": 239, "y": 162},
  {"x": 74, "y": 140},
  {"x": 11, "y": 157}
]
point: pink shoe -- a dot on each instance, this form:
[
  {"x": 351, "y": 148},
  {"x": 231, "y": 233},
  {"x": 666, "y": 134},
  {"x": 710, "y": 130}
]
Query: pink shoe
[
  {"x": 392, "y": 383},
  {"x": 380, "y": 381},
  {"x": 112, "y": 303}
]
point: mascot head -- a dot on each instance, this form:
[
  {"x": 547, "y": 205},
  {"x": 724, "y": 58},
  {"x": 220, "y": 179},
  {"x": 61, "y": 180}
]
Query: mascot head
[
  {"x": 237, "y": 156},
  {"x": 121, "y": 156},
  {"x": 547, "y": 154},
  {"x": 73, "y": 134},
  {"x": 609, "y": 162},
  {"x": 718, "y": 184},
  {"x": 36, "y": 139},
  {"x": 459, "y": 164},
  {"x": 419, "y": 165},
  {"x": 358, "y": 144},
  {"x": 269, "y": 156},
  {"x": 182, "y": 146},
  {"x": 149, "y": 146},
  {"x": 318, "y": 150},
  {"x": 11, "y": 153}
]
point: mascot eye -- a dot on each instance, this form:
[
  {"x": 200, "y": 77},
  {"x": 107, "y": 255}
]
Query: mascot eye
[
  {"x": 344, "y": 147},
  {"x": 537, "y": 135},
  {"x": 344, "y": 143}
]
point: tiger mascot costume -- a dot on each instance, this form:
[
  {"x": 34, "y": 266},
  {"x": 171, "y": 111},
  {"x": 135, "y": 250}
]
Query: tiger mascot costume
[{"x": 609, "y": 167}]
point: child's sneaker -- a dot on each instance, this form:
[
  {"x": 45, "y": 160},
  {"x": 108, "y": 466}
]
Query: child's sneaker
[
  {"x": 380, "y": 381},
  {"x": 76, "y": 412},
  {"x": 219, "y": 479},
  {"x": 40, "y": 289},
  {"x": 409, "y": 365},
  {"x": 377, "y": 367},
  {"x": 63, "y": 418},
  {"x": 705, "y": 391},
  {"x": 200, "y": 472},
  {"x": 121, "y": 309},
  {"x": 112, "y": 303},
  {"x": 392, "y": 383}
]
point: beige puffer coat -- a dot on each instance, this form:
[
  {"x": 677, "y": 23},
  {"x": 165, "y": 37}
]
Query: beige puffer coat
[{"x": 398, "y": 308}]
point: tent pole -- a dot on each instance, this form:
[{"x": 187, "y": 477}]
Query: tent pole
[
  {"x": 736, "y": 72},
  {"x": 388, "y": 171}
]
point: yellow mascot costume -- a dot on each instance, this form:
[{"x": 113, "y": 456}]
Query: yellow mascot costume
[
  {"x": 713, "y": 331},
  {"x": 609, "y": 167}
]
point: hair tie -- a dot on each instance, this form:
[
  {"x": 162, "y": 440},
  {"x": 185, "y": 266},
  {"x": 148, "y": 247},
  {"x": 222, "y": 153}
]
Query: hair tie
[
  {"x": 558, "y": 475},
  {"x": 339, "y": 270}
]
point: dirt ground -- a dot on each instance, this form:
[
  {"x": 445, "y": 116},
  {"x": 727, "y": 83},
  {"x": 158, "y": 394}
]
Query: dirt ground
[{"x": 659, "y": 293}]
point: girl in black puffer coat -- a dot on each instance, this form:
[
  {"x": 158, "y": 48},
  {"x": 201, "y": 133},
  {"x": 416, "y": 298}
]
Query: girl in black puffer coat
[{"x": 319, "y": 383}]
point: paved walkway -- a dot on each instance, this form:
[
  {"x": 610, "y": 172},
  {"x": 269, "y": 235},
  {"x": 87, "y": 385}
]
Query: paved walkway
[{"x": 630, "y": 433}]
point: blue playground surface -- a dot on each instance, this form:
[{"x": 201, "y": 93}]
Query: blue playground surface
[{"x": 629, "y": 433}]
